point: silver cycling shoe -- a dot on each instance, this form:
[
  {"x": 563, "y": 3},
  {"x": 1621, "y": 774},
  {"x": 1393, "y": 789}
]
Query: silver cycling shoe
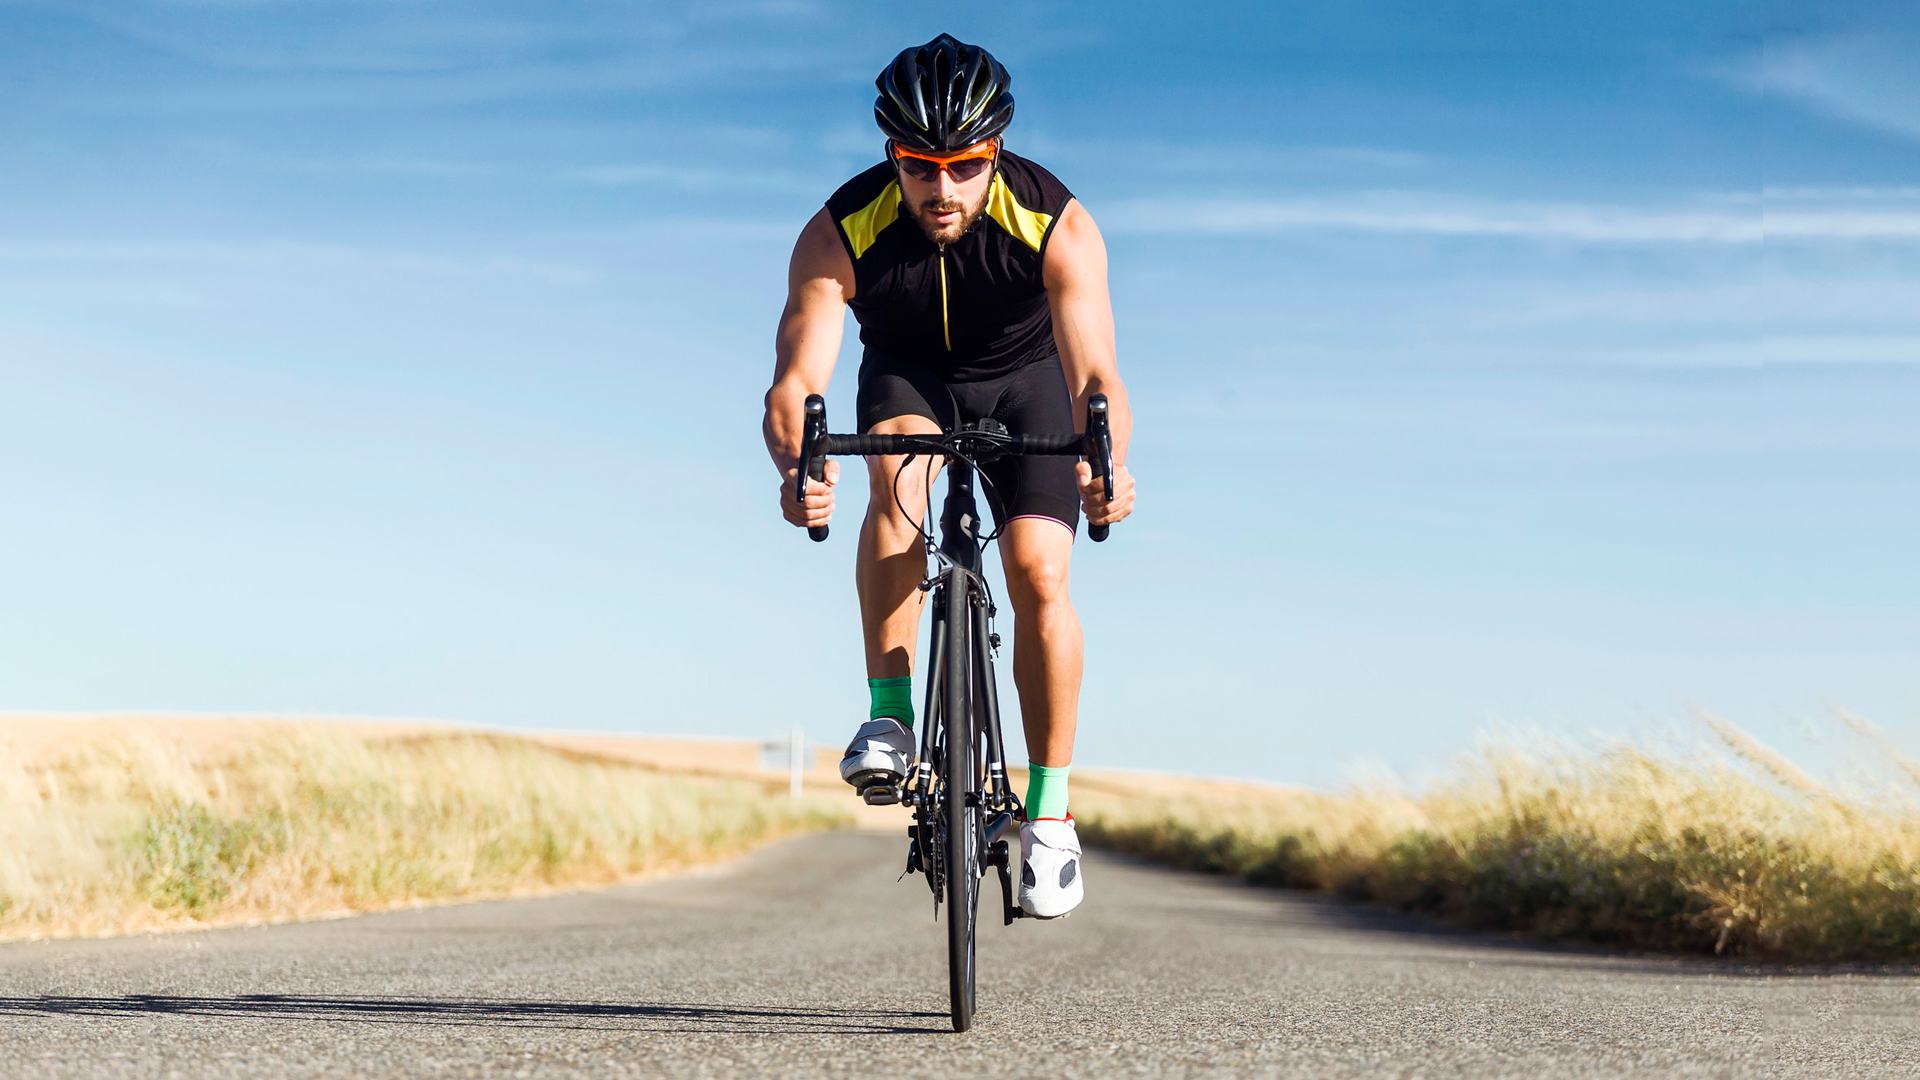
[{"x": 880, "y": 755}]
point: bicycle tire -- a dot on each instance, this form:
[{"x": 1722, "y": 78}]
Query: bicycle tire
[{"x": 961, "y": 776}]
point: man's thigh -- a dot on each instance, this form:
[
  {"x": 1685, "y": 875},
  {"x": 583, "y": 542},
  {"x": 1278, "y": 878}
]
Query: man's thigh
[
  {"x": 901, "y": 399},
  {"x": 892, "y": 481},
  {"x": 893, "y": 389},
  {"x": 1033, "y": 400}
]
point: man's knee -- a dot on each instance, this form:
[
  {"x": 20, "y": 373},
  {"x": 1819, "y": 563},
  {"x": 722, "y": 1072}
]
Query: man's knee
[
  {"x": 887, "y": 518},
  {"x": 1036, "y": 576},
  {"x": 895, "y": 503},
  {"x": 889, "y": 487}
]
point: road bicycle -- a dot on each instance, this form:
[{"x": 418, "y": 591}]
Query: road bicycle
[{"x": 962, "y": 805}]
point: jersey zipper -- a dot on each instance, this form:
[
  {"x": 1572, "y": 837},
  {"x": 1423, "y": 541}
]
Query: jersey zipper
[{"x": 946, "y": 327}]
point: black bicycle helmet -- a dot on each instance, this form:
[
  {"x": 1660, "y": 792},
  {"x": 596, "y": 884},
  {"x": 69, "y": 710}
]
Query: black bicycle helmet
[{"x": 943, "y": 96}]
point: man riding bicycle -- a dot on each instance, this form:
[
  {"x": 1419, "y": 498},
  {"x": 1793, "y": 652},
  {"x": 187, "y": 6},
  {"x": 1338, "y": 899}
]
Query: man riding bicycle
[{"x": 980, "y": 286}]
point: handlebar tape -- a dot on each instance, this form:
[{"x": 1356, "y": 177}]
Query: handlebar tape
[{"x": 1061, "y": 445}]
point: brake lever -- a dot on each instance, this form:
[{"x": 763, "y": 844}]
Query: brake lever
[
  {"x": 1099, "y": 454},
  {"x": 812, "y": 466}
]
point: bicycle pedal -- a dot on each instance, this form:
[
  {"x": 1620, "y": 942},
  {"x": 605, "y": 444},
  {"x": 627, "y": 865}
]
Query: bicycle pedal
[{"x": 882, "y": 794}]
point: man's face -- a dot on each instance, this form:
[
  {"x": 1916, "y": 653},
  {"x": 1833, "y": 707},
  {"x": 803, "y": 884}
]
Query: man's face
[{"x": 944, "y": 207}]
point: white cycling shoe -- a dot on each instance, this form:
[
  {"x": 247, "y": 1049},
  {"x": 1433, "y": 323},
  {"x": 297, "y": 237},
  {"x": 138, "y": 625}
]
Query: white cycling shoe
[
  {"x": 1050, "y": 884},
  {"x": 881, "y": 754}
]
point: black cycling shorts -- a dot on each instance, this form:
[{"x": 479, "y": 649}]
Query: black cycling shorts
[{"x": 1029, "y": 400}]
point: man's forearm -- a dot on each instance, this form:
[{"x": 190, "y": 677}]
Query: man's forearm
[
  {"x": 784, "y": 424},
  {"x": 1119, "y": 411},
  {"x": 805, "y": 347}
]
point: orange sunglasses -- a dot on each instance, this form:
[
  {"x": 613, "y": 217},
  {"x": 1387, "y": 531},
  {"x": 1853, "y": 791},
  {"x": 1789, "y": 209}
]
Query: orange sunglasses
[{"x": 962, "y": 166}]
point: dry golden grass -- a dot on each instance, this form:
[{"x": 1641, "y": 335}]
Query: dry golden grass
[
  {"x": 1739, "y": 855},
  {"x": 132, "y": 833}
]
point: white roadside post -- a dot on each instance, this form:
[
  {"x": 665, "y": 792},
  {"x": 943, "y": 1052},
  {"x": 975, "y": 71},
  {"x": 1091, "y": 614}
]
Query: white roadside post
[{"x": 797, "y": 740}]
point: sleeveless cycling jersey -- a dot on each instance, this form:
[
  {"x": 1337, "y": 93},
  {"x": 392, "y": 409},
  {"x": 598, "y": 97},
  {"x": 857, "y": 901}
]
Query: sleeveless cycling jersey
[{"x": 973, "y": 310}]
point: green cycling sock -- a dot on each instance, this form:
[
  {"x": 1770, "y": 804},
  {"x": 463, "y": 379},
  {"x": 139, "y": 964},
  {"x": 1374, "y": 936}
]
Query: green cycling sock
[
  {"x": 892, "y": 697},
  {"x": 1046, "y": 791}
]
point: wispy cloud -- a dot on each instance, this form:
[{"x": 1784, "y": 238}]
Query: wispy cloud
[
  {"x": 691, "y": 178},
  {"x": 408, "y": 38},
  {"x": 1710, "y": 221},
  {"x": 422, "y": 168},
  {"x": 371, "y": 55},
  {"x": 1863, "y": 76},
  {"x": 1772, "y": 298},
  {"x": 1775, "y": 350},
  {"x": 1840, "y": 194},
  {"x": 1242, "y": 159},
  {"x": 269, "y": 256}
]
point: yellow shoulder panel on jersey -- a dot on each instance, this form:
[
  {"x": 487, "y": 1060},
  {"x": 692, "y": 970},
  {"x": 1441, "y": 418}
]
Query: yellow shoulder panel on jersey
[
  {"x": 863, "y": 226},
  {"x": 1029, "y": 226}
]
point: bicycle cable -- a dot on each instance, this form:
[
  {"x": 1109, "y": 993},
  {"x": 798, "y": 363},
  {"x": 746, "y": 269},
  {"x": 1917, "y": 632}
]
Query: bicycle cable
[{"x": 926, "y": 535}]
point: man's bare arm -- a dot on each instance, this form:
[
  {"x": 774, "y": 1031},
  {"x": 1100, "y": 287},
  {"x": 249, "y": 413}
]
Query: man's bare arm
[
  {"x": 1075, "y": 272},
  {"x": 819, "y": 284}
]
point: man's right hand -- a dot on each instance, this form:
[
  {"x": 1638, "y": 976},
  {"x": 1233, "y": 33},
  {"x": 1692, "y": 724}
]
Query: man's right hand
[{"x": 818, "y": 509}]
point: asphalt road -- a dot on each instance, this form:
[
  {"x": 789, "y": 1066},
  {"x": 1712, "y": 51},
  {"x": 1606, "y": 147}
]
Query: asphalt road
[{"x": 809, "y": 959}]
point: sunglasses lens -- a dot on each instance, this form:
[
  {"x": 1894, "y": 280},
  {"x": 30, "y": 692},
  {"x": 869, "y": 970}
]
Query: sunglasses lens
[
  {"x": 970, "y": 168},
  {"x": 918, "y": 168}
]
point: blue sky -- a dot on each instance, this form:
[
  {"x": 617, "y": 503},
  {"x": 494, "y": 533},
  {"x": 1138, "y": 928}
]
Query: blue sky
[{"x": 1554, "y": 366}]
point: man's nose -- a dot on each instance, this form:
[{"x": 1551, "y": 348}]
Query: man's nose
[{"x": 944, "y": 185}]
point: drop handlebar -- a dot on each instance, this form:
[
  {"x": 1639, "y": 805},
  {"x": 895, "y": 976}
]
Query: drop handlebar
[{"x": 1096, "y": 446}]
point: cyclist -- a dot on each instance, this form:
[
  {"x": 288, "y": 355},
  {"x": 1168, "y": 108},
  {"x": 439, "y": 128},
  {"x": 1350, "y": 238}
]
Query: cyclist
[{"x": 980, "y": 286}]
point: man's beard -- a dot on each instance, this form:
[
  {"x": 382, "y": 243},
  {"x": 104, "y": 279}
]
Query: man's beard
[{"x": 947, "y": 234}]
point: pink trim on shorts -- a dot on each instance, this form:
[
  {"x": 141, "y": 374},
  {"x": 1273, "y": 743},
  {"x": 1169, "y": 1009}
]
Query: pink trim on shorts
[{"x": 1043, "y": 517}]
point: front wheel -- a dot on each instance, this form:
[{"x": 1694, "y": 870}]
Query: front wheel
[{"x": 960, "y": 776}]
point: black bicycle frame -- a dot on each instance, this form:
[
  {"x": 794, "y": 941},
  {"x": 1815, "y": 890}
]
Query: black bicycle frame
[
  {"x": 960, "y": 543},
  {"x": 964, "y": 717}
]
